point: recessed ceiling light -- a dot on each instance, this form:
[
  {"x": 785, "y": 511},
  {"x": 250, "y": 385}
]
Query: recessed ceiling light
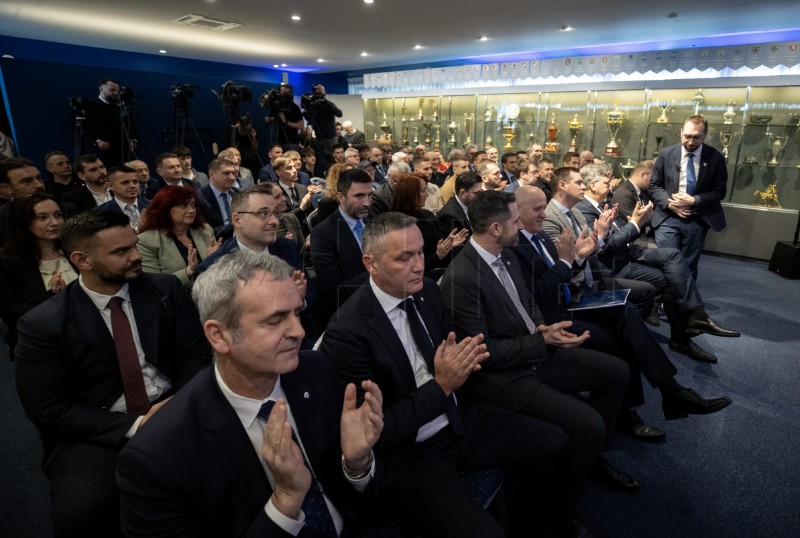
[
  {"x": 320, "y": 60},
  {"x": 295, "y": 17},
  {"x": 566, "y": 28},
  {"x": 483, "y": 38},
  {"x": 162, "y": 51},
  {"x": 283, "y": 65},
  {"x": 417, "y": 47},
  {"x": 275, "y": 65},
  {"x": 364, "y": 54},
  {"x": 368, "y": 1}
]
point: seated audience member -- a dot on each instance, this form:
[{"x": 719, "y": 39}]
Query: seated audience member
[
  {"x": 491, "y": 176},
  {"x": 376, "y": 157},
  {"x": 187, "y": 170},
  {"x": 288, "y": 225},
  {"x": 61, "y": 178},
  {"x": 302, "y": 177},
  {"x": 571, "y": 159},
  {"x": 527, "y": 174},
  {"x": 382, "y": 196},
  {"x": 337, "y": 152},
  {"x": 18, "y": 177},
  {"x": 327, "y": 202},
  {"x": 33, "y": 265},
  {"x": 143, "y": 173},
  {"x": 292, "y": 450},
  {"x": 546, "y": 169},
  {"x": 267, "y": 172},
  {"x": 298, "y": 196},
  {"x": 123, "y": 182},
  {"x": 168, "y": 167},
  {"x": 336, "y": 244},
  {"x": 664, "y": 268},
  {"x": 124, "y": 342},
  {"x": 352, "y": 156},
  {"x": 533, "y": 368},
  {"x": 409, "y": 198},
  {"x": 508, "y": 162},
  {"x": 309, "y": 157},
  {"x": 535, "y": 152},
  {"x": 458, "y": 165},
  {"x": 395, "y": 331},
  {"x": 95, "y": 191},
  {"x": 424, "y": 167},
  {"x": 586, "y": 157},
  {"x": 215, "y": 198},
  {"x": 244, "y": 177},
  {"x": 174, "y": 237},
  {"x": 352, "y": 135},
  {"x": 618, "y": 331},
  {"x": 437, "y": 177},
  {"x": 491, "y": 154},
  {"x": 453, "y": 216}
]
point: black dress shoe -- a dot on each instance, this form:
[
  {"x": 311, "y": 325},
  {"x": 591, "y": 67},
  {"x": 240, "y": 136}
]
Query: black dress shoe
[
  {"x": 692, "y": 350},
  {"x": 613, "y": 478},
  {"x": 652, "y": 318},
  {"x": 685, "y": 402},
  {"x": 631, "y": 423},
  {"x": 708, "y": 326}
]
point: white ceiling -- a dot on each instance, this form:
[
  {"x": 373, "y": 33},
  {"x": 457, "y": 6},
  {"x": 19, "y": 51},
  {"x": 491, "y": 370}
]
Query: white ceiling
[{"x": 388, "y": 30}]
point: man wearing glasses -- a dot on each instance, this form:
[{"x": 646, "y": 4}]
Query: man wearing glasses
[{"x": 689, "y": 180}]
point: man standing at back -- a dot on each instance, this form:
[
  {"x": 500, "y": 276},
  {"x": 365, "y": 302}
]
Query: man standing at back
[
  {"x": 96, "y": 361},
  {"x": 689, "y": 181}
]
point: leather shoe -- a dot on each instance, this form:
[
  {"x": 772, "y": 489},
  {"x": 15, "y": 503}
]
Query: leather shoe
[
  {"x": 631, "y": 423},
  {"x": 709, "y": 327},
  {"x": 652, "y": 318},
  {"x": 613, "y": 478},
  {"x": 685, "y": 402},
  {"x": 692, "y": 350}
]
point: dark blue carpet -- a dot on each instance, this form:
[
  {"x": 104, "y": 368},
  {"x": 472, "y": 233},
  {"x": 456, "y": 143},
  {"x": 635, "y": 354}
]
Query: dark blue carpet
[{"x": 732, "y": 474}]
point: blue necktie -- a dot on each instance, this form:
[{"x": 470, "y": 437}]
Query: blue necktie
[
  {"x": 691, "y": 178},
  {"x": 538, "y": 244},
  {"x": 426, "y": 349},
  {"x": 318, "y": 523},
  {"x": 226, "y": 204}
]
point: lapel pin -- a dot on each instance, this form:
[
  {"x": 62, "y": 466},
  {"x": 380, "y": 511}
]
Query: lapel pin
[
  {"x": 422, "y": 299},
  {"x": 306, "y": 395}
]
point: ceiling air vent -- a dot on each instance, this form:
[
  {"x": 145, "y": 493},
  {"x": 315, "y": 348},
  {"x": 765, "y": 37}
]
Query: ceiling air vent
[{"x": 203, "y": 21}]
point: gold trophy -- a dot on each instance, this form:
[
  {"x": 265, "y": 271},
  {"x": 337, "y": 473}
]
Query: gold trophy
[
  {"x": 419, "y": 110},
  {"x": 725, "y": 139},
  {"x": 775, "y": 150},
  {"x": 403, "y": 118},
  {"x": 452, "y": 128},
  {"x": 614, "y": 121},
  {"x": 729, "y": 114},
  {"x": 437, "y": 144},
  {"x": 665, "y": 109},
  {"x": 468, "y": 121},
  {"x": 627, "y": 169},
  {"x": 552, "y": 133},
  {"x": 768, "y": 197},
  {"x": 416, "y": 135},
  {"x": 508, "y": 134},
  {"x": 384, "y": 127},
  {"x": 575, "y": 127},
  {"x": 427, "y": 127}
]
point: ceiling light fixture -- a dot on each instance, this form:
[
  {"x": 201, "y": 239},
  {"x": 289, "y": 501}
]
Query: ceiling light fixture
[
  {"x": 566, "y": 28},
  {"x": 283, "y": 65},
  {"x": 369, "y": 1},
  {"x": 364, "y": 54},
  {"x": 484, "y": 38},
  {"x": 162, "y": 51},
  {"x": 295, "y": 17},
  {"x": 417, "y": 47},
  {"x": 275, "y": 65}
]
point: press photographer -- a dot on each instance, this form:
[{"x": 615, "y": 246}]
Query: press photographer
[
  {"x": 284, "y": 119},
  {"x": 321, "y": 114}
]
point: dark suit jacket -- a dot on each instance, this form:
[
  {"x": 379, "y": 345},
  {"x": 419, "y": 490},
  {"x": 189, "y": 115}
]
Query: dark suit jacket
[
  {"x": 381, "y": 200},
  {"x": 159, "y": 184},
  {"x": 21, "y": 289},
  {"x": 615, "y": 253},
  {"x": 337, "y": 262},
  {"x": 81, "y": 198},
  {"x": 362, "y": 344},
  {"x": 67, "y": 372},
  {"x": 112, "y": 205},
  {"x": 478, "y": 303},
  {"x": 452, "y": 217},
  {"x": 712, "y": 184},
  {"x": 209, "y": 205},
  {"x": 267, "y": 173},
  {"x": 282, "y": 248},
  {"x": 192, "y": 470}
]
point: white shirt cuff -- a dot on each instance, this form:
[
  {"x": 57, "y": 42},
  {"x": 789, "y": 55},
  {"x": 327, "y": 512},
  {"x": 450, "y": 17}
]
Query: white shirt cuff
[
  {"x": 134, "y": 428},
  {"x": 292, "y": 526}
]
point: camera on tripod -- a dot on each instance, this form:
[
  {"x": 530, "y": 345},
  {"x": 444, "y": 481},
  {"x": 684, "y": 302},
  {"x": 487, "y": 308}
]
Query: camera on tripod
[
  {"x": 277, "y": 100},
  {"x": 79, "y": 106},
  {"x": 181, "y": 93},
  {"x": 127, "y": 95},
  {"x": 312, "y": 102}
]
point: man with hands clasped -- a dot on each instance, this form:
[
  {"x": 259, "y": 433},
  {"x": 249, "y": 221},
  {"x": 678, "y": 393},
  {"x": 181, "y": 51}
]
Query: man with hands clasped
[{"x": 261, "y": 443}]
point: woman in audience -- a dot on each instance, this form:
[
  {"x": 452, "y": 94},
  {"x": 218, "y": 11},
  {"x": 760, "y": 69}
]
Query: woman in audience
[
  {"x": 173, "y": 235},
  {"x": 33, "y": 264},
  {"x": 408, "y": 196}
]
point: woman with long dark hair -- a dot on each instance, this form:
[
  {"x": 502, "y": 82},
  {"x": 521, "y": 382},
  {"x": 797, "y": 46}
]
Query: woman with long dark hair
[
  {"x": 408, "y": 196},
  {"x": 33, "y": 264},
  {"x": 173, "y": 236}
]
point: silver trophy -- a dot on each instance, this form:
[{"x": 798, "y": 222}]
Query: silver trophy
[
  {"x": 468, "y": 121},
  {"x": 452, "y": 128},
  {"x": 775, "y": 150}
]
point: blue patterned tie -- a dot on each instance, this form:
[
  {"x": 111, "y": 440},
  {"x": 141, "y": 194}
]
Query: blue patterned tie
[
  {"x": 227, "y": 205},
  {"x": 318, "y": 523},
  {"x": 691, "y": 178},
  {"x": 538, "y": 244}
]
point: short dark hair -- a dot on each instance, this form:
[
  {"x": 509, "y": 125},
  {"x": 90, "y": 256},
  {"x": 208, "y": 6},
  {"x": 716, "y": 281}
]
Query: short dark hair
[
  {"x": 569, "y": 155},
  {"x": 218, "y": 163},
  {"x": 81, "y": 161},
  {"x": 308, "y": 150},
  {"x": 337, "y": 146},
  {"x": 106, "y": 80},
  {"x": 161, "y": 156},
  {"x": 7, "y": 165},
  {"x": 362, "y": 147},
  {"x": 466, "y": 180},
  {"x": 562, "y": 174},
  {"x": 121, "y": 169},
  {"x": 79, "y": 230},
  {"x": 544, "y": 160},
  {"x": 348, "y": 177},
  {"x": 489, "y": 207},
  {"x": 53, "y": 154},
  {"x": 506, "y": 156},
  {"x": 182, "y": 151}
]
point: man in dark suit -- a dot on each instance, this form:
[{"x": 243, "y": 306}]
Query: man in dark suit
[
  {"x": 508, "y": 168},
  {"x": 297, "y": 195},
  {"x": 267, "y": 173},
  {"x": 215, "y": 198},
  {"x": 123, "y": 182},
  {"x": 533, "y": 368},
  {"x": 252, "y": 447},
  {"x": 94, "y": 192},
  {"x": 389, "y": 331},
  {"x": 618, "y": 331},
  {"x": 95, "y": 362},
  {"x": 453, "y": 216},
  {"x": 105, "y": 130},
  {"x": 689, "y": 181},
  {"x": 168, "y": 167},
  {"x": 336, "y": 244}
]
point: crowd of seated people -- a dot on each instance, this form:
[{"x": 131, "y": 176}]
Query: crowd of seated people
[{"x": 165, "y": 332}]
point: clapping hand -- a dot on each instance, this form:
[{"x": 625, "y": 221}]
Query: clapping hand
[{"x": 361, "y": 426}]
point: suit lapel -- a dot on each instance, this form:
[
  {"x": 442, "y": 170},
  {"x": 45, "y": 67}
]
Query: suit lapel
[
  {"x": 345, "y": 238},
  {"x": 86, "y": 319},
  {"x": 170, "y": 250},
  {"x": 147, "y": 307},
  {"x": 488, "y": 278},
  {"x": 383, "y": 330}
]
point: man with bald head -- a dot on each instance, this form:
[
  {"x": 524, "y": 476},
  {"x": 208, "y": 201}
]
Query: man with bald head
[{"x": 586, "y": 157}]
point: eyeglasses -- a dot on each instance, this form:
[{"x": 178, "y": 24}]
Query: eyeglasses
[
  {"x": 263, "y": 215},
  {"x": 695, "y": 138}
]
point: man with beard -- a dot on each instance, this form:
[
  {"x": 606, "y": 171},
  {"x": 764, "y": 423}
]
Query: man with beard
[
  {"x": 92, "y": 171},
  {"x": 104, "y": 127},
  {"x": 96, "y": 361}
]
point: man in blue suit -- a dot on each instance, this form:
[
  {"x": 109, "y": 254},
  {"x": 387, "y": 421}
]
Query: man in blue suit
[
  {"x": 215, "y": 198},
  {"x": 263, "y": 443},
  {"x": 689, "y": 181},
  {"x": 123, "y": 182}
]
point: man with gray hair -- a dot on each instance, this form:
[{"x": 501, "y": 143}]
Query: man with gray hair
[
  {"x": 352, "y": 156},
  {"x": 250, "y": 446},
  {"x": 382, "y": 196}
]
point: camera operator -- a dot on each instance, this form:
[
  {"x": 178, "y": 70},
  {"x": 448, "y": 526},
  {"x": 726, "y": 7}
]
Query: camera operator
[
  {"x": 104, "y": 128},
  {"x": 284, "y": 116},
  {"x": 321, "y": 114}
]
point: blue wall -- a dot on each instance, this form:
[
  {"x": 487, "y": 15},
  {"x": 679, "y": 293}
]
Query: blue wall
[{"x": 42, "y": 76}]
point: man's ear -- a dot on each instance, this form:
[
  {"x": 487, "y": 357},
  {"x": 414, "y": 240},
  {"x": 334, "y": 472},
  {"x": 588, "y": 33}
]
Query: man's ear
[
  {"x": 5, "y": 190},
  {"x": 218, "y": 336},
  {"x": 81, "y": 260}
]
